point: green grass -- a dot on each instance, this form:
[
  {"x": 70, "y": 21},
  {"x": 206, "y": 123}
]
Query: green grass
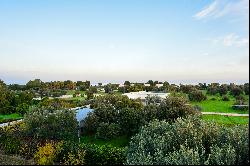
[
  {"x": 117, "y": 142},
  {"x": 71, "y": 92},
  {"x": 218, "y": 105},
  {"x": 226, "y": 120},
  {"x": 4, "y": 118},
  {"x": 10, "y": 116}
]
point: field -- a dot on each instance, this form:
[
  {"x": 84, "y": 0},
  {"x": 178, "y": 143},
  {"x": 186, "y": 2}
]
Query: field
[
  {"x": 10, "y": 117},
  {"x": 215, "y": 104},
  {"x": 226, "y": 120}
]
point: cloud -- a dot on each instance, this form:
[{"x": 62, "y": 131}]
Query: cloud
[
  {"x": 231, "y": 40},
  {"x": 207, "y": 11},
  {"x": 220, "y": 8}
]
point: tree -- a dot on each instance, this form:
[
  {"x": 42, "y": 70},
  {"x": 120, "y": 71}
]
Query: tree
[
  {"x": 127, "y": 83},
  {"x": 55, "y": 125},
  {"x": 223, "y": 90},
  {"x": 236, "y": 91},
  {"x": 35, "y": 84},
  {"x": 246, "y": 88},
  {"x": 90, "y": 94},
  {"x": 196, "y": 95},
  {"x": 22, "y": 109}
]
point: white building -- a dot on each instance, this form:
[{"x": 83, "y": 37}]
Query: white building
[{"x": 143, "y": 94}]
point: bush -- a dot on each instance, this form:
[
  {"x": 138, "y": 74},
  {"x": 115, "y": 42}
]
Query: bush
[
  {"x": 198, "y": 108},
  {"x": 104, "y": 154},
  {"x": 108, "y": 131},
  {"x": 55, "y": 125},
  {"x": 47, "y": 154},
  {"x": 236, "y": 91},
  {"x": 10, "y": 138},
  {"x": 173, "y": 107},
  {"x": 225, "y": 98},
  {"x": 189, "y": 141},
  {"x": 75, "y": 159},
  {"x": 213, "y": 99},
  {"x": 22, "y": 109},
  {"x": 196, "y": 96}
]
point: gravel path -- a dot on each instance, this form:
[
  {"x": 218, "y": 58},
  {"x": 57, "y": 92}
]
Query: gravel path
[
  {"x": 9, "y": 123},
  {"x": 225, "y": 114}
]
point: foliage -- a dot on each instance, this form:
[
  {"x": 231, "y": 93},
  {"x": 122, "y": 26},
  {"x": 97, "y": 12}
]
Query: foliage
[
  {"x": 236, "y": 91},
  {"x": 46, "y": 154},
  {"x": 196, "y": 95},
  {"x": 104, "y": 154},
  {"x": 108, "y": 131},
  {"x": 75, "y": 159},
  {"x": 189, "y": 141},
  {"x": 225, "y": 98},
  {"x": 45, "y": 124},
  {"x": 246, "y": 88},
  {"x": 10, "y": 138},
  {"x": 22, "y": 108}
]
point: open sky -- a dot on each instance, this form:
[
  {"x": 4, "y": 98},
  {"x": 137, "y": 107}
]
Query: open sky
[{"x": 180, "y": 41}]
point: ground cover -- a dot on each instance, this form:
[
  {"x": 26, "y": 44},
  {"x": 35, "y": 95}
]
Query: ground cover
[
  {"x": 121, "y": 141},
  {"x": 226, "y": 120},
  {"x": 214, "y": 103},
  {"x": 9, "y": 117}
]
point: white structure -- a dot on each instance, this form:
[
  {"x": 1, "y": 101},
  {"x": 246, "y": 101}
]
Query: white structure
[
  {"x": 143, "y": 94},
  {"x": 159, "y": 85}
]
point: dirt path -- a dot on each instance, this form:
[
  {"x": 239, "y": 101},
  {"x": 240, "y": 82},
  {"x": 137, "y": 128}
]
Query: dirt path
[{"x": 225, "y": 114}]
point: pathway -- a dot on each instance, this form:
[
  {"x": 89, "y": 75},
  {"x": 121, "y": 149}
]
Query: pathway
[{"x": 225, "y": 114}]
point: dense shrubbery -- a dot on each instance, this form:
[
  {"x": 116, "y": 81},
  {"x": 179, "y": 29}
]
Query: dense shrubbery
[
  {"x": 189, "y": 141},
  {"x": 45, "y": 124},
  {"x": 124, "y": 117},
  {"x": 196, "y": 95},
  {"x": 46, "y": 154}
]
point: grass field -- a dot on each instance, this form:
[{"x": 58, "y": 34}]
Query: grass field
[
  {"x": 226, "y": 120},
  {"x": 9, "y": 117},
  {"x": 215, "y": 104},
  {"x": 117, "y": 142}
]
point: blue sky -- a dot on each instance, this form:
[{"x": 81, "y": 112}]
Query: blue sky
[{"x": 181, "y": 41}]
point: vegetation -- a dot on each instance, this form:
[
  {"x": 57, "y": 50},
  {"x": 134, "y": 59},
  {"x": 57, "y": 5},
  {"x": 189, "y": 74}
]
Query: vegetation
[
  {"x": 189, "y": 141},
  {"x": 226, "y": 120},
  {"x": 120, "y": 130}
]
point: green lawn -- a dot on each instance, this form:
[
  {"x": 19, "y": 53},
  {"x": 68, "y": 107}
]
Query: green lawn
[
  {"x": 71, "y": 92},
  {"x": 4, "y": 118},
  {"x": 226, "y": 120},
  {"x": 218, "y": 105},
  {"x": 117, "y": 142}
]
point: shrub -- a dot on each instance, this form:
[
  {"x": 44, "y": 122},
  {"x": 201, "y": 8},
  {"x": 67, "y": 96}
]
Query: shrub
[
  {"x": 108, "y": 131},
  {"x": 236, "y": 91},
  {"x": 189, "y": 141},
  {"x": 55, "y": 125},
  {"x": 22, "y": 108},
  {"x": 10, "y": 138},
  {"x": 196, "y": 96},
  {"x": 173, "y": 107},
  {"x": 75, "y": 159},
  {"x": 198, "y": 108},
  {"x": 224, "y": 155},
  {"x": 225, "y": 98},
  {"x": 104, "y": 154},
  {"x": 213, "y": 99},
  {"x": 46, "y": 154}
]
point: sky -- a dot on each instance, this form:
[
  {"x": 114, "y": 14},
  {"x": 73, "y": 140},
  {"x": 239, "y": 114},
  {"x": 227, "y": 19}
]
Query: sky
[{"x": 179, "y": 41}]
